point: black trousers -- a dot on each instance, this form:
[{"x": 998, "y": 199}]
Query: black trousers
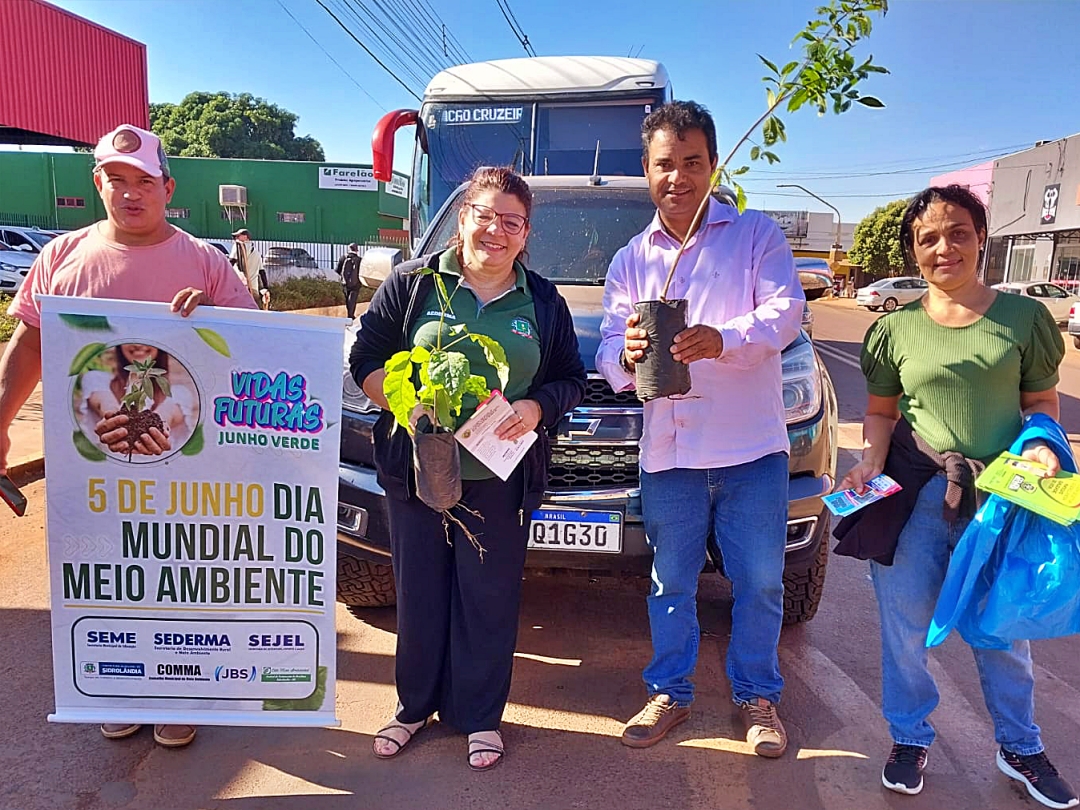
[
  {"x": 457, "y": 617},
  {"x": 351, "y": 294}
]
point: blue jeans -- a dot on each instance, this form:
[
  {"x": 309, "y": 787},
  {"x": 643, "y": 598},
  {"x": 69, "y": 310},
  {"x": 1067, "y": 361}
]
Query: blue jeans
[
  {"x": 907, "y": 592},
  {"x": 746, "y": 508}
]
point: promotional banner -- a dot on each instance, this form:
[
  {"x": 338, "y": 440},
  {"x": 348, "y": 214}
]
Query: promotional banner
[{"x": 192, "y": 570}]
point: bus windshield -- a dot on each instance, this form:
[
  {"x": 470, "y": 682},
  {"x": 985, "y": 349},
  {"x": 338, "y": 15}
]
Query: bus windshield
[
  {"x": 462, "y": 137},
  {"x": 567, "y": 136}
]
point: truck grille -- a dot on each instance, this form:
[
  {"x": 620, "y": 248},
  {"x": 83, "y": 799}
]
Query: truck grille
[
  {"x": 583, "y": 467},
  {"x": 599, "y": 393}
]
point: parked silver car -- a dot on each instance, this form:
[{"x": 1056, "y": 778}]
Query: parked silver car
[
  {"x": 890, "y": 293},
  {"x": 14, "y": 265},
  {"x": 26, "y": 240}
]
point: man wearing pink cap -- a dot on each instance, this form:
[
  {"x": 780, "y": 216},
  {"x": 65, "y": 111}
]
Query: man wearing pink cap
[{"x": 133, "y": 255}]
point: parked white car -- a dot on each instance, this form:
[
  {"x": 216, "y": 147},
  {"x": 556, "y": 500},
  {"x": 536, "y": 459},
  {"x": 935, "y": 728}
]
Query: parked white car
[
  {"x": 28, "y": 240},
  {"x": 14, "y": 265},
  {"x": 1074, "y": 324},
  {"x": 890, "y": 293},
  {"x": 1056, "y": 299}
]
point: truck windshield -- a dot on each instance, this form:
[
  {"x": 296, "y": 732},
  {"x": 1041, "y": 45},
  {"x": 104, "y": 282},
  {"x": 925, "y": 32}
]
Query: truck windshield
[{"x": 575, "y": 231}]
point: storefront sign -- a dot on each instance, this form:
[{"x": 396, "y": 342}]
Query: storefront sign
[
  {"x": 348, "y": 178},
  {"x": 794, "y": 224},
  {"x": 398, "y": 186},
  {"x": 1051, "y": 196},
  {"x": 196, "y": 585}
]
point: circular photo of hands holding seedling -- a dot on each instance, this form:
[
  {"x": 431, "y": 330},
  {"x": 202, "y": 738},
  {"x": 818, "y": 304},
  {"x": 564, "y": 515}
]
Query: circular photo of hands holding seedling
[{"x": 134, "y": 402}]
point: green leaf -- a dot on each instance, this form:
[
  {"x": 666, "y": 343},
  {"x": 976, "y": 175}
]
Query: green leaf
[
  {"x": 740, "y": 198},
  {"x": 86, "y": 448},
  {"x": 84, "y": 357},
  {"x": 770, "y": 97},
  {"x": 213, "y": 340},
  {"x": 478, "y": 387},
  {"x": 449, "y": 370},
  {"x": 420, "y": 354},
  {"x": 163, "y": 384},
  {"x": 312, "y": 703},
  {"x": 798, "y": 98},
  {"x": 444, "y": 296},
  {"x": 495, "y": 356},
  {"x": 442, "y": 409},
  {"x": 741, "y": 170},
  {"x": 870, "y": 101},
  {"x": 399, "y": 389},
  {"x": 194, "y": 445},
  {"x": 768, "y": 64},
  {"x": 790, "y": 66},
  {"x": 89, "y": 323},
  {"x": 755, "y": 152}
]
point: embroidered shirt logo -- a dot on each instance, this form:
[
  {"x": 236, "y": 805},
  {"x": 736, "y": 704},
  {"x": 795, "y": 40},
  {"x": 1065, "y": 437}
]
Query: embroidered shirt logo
[
  {"x": 436, "y": 314},
  {"x": 520, "y": 326}
]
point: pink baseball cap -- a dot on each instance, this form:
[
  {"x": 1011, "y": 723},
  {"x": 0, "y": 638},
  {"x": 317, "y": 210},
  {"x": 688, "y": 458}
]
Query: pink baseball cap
[{"x": 134, "y": 147}]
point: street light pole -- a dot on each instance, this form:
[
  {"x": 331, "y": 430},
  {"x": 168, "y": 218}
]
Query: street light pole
[{"x": 837, "y": 245}]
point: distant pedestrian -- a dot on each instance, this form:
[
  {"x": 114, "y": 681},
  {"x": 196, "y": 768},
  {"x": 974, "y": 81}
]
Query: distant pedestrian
[
  {"x": 348, "y": 268},
  {"x": 950, "y": 378},
  {"x": 249, "y": 264},
  {"x": 133, "y": 255}
]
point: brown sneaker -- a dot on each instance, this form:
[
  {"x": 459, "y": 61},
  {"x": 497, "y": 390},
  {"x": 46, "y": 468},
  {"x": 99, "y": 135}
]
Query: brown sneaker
[
  {"x": 118, "y": 731},
  {"x": 649, "y": 726},
  {"x": 764, "y": 730},
  {"x": 172, "y": 736}
]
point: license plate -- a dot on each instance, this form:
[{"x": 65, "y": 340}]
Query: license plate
[{"x": 573, "y": 530}]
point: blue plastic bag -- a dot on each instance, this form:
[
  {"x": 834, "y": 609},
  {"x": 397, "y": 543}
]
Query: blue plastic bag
[{"x": 1014, "y": 574}]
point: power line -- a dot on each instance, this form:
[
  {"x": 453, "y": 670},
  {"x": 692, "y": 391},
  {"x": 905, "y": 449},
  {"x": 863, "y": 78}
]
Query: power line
[
  {"x": 511, "y": 20},
  {"x": 426, "y": 59},
  {"x": 378, "y": 41},
  {"x": 331, "y": 58},
  {"x": 430, "y": 23},
  {"x": 378, "y": 61}
]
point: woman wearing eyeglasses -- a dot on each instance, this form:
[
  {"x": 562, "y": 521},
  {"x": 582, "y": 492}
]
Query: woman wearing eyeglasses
[{"x": 457, "y": 613}]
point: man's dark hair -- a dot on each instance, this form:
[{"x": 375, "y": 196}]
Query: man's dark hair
[
  {"x": 957, "y": 195},
  {"x": 679, "y": 117}
]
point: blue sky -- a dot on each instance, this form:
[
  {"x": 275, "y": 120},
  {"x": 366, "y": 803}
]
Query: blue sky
[{"x": 969, "y": 79}]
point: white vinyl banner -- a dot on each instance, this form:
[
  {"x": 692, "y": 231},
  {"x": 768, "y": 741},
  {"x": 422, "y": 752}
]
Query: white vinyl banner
[
  {"x": 349, "y": 178},
  {"x": 195, "y": 585}
]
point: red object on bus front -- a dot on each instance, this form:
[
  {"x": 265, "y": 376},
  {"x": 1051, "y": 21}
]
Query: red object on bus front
[{"x": 382, "y": 141}]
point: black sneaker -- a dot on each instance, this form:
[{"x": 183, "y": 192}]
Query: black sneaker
[
  {"x": 1040, "y": 776},
  {"x": 903, "y": 770}
]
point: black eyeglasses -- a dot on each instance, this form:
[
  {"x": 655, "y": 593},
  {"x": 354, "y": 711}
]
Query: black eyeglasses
[{"x": 484, "y": 216}]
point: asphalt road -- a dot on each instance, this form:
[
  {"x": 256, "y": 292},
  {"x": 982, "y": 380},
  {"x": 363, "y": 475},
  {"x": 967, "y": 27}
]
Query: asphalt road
[{"x": 581, "y": 647}]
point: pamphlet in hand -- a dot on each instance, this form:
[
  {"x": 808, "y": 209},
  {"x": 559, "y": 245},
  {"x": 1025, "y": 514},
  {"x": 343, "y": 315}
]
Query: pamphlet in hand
[
  {"x": 1027, "y": 483},
  {"x": 847, "y": 501},
  {"x": 477, "y": 436}
]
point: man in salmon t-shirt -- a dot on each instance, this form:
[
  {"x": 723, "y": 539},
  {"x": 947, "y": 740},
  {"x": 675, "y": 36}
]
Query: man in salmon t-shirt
[{"x": 134, "y": 255}]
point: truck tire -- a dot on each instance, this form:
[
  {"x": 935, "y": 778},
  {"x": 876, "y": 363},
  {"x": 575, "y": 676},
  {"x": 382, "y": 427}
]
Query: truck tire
[
  {"x": 1076, "y": 342},
  {"x": 361, "y": 583},
  {"x": 802, "y": 589}
]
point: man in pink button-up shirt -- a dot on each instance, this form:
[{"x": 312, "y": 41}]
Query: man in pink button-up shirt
[{"x": 714, "y": 459}]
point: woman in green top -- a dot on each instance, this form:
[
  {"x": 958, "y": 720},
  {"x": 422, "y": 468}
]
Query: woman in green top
[
  {"x": 962, "y": 366},
  {"x": 457, "y": 612}
]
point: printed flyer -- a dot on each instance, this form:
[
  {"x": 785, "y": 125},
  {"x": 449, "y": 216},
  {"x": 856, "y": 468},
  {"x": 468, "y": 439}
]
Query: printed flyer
[
  {"x": 1027, "y": 483},
  {"x": 191, "y": 472}
]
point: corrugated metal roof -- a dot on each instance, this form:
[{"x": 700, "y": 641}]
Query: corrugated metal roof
[{"x": 68, "y": 78}]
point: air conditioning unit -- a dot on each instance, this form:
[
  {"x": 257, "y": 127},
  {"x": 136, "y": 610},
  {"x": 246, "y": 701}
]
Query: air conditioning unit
[{"x": 232, "y": 195}]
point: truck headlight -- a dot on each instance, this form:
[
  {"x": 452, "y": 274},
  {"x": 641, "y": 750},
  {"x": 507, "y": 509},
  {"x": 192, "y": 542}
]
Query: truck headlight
[
  {"x": 353, "y": 397},
  {"x": 802, "y": 384}
]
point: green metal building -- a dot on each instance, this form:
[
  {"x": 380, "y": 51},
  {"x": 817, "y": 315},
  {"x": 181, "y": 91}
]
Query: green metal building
[{"x": 282, "y": 201}]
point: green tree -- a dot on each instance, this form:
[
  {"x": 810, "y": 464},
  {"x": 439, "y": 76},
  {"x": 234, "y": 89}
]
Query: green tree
[
  {"x": 225, "y": 125},
  {"x": 876, "y": 245}
]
